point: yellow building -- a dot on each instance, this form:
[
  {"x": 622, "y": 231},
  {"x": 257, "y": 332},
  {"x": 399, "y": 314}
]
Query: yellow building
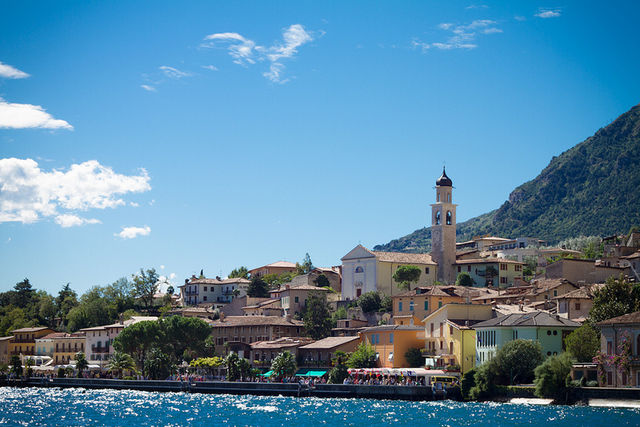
[
  {"x": 449, "y": 339},
  {"x": 66, "y": 346},
  {"x": 391, "y": 342},
  {"x": 24, "y": 340},
  {"x": 496, "y": 272},
  {"x": 422, "y": 301}
]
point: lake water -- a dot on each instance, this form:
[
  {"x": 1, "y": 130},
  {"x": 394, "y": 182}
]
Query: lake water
[{"x": 42, "y": 406}]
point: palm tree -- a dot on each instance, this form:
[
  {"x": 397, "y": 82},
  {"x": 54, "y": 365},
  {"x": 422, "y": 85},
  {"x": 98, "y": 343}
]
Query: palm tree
[
  {"x": 284, "y": 365},
  {"x": 81, "y": 363},
  {"x": 121, "y": 362}
]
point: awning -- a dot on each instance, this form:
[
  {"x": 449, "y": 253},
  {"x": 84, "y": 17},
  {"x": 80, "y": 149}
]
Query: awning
[
  {"x": 302, "y": 373},
  {"x": 267, "y": 374},
  {"x": 315, "y": 373}
]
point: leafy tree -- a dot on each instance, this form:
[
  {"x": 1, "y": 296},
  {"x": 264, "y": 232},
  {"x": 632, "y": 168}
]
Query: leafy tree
[
  {"x": 405, "y": 275},
  {"x": 24, "y": 293},
  {"x": 517, "y": 359},
  {"x": 364, "y": 356},
  {"x": 322, "y": 281},
  {"x": 583, "y": 343},
  {"x": 369, "y": 302},
  {"x": 414, "y": 358},
  {"x": 16, "y": 365},
  {"x": 490, "y": 272},
  {"x": 275, "y": 280},
  {"x": 464, "y": 279},
  {"x": 258, "y": 288},
  {"x": 158, "y": 365},
  {"x": 338, "y": 374},
  {"x": 81, "y": 363},
  {"x": 317, "y": 318},
  {"x": 616, "y": 298},
  {"x": 170, "y": 290},
  {"x": 121, "y": 362},
  {"x": 551, "y": 377},
  {"x": 306, "y": 265},
  {"x": 207, "y": 363},
  {"x": 232, "y": 363},
  {"x": 284, "y": 365},
  {"x": 244, "y": 366},
  {"x": 386, "y": 304},
  {"x": 29, "y": 362},
  {"x": 468, "y": 382},
  {"x": 484, "y": 381},
  {"x": 138, "y": 339},
  {"x": 340, "y": 313},
  {"x": 61, "y": 372},
  {"x": 240, "y": 272},
  {"x": 145, "y": 285}
]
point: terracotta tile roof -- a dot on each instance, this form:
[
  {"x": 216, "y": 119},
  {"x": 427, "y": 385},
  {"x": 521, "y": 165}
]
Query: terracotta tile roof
[
  {"x": 302, "y": 288},
  {"x": 438, "y": 291},
  {"x": 393, "y": 328},
  {"x": 329, "y": 343},
  {"x": 281, "y": 343},
  {"x": 487, "y": 261},
  {"x": 230, "y": 321},
  {"x": 6, "y": 338},
  {"x": 538, "y": 318},
  {"x": 585, "y": 292},
  {"x": 404, "y": 258},
  {"x": 542, "y": 285},
  {"x": 36, "y": 329},
  {"x": 626, "y": 319},
  {"x": 216, "y": 281},
  {"x": 264, "y": 303}
]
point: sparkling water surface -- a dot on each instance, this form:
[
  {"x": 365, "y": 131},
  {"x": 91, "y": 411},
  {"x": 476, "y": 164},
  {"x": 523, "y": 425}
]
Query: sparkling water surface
[{"x": 51, "y": 406}]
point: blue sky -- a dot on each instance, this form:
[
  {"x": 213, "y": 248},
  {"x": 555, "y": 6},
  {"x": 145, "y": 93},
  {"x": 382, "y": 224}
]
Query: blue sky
[{"x": 208, "y": 135}]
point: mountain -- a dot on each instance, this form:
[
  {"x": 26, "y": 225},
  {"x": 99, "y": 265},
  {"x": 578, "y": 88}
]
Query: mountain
[{"x": 590, "y": 189}]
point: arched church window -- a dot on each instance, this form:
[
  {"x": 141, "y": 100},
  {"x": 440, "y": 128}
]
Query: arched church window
[
  {"x": 448, "y": 217},
  {"x": 438, "y": 218},
  {"x": 359, "y": 269}
]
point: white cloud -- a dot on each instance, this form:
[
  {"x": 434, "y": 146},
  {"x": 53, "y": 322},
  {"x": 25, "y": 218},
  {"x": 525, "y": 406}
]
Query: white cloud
[
  {"x": 133, "y": 232},
  {"x": 477, "y": 6},
  {"x": 162, "y": 267},
  {"x": 172, "y": 276},
  {"x": 9, "y": 72},
  {"x": 246, "y": 52},
  {"x": 174, "y": 73},
  {"x": 210, "y": 67},
  {"x": 548, "y": 13},
  {"x": 23, "y": 116},
  {"x": 520, "y": 18},
  {"x": 148, "y": 88},
  {"x": 69, "y": 220},
  {"x": 28, "y": 193},
  {"x": 461, "y": 36}
]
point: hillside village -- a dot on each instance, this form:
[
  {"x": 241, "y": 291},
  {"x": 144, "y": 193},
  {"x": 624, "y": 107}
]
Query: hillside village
[{"x": 450, "y": 310}]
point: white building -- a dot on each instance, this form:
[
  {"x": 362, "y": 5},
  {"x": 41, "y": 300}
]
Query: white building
[{"x": 217, "y": 292}]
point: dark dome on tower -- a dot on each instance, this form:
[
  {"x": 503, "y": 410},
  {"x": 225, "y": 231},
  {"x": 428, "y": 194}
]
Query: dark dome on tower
[{"x": 444, "y": 180}]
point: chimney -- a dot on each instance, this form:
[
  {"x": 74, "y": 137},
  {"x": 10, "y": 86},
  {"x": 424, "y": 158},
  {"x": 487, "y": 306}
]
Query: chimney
[{"x": 222, "y": 316}]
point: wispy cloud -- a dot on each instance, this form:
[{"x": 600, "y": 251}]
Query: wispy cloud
[
  {"x": 246, "y": 52},
  {"x": 133, "y": 232},
  {"x": 477, "y": 6},
  {"x": 174, "y": 73},
  {"x": 9, "y": 72},
  {"x": 70, "y": 220},
  {"x": 460, "y": 36},
  {"x": 520, "y": 18},
  {"x": 24, "y": 116},
  {"x": 548, "y": 13},
  {"x": 149, "y": 88},
  {"x": 28, "y": 193},
  {"x": 210, "y": 67}
]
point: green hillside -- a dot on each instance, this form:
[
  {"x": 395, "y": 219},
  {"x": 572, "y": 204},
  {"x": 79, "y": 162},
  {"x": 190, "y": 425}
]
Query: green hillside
[{"x": 590, "y": 189}]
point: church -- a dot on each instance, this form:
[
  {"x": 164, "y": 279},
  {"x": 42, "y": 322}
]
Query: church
[{"x": 364, "y": 270}]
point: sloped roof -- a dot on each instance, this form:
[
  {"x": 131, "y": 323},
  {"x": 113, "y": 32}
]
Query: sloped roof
[
  {"x": 538, "y": 318},
  {"x": 542, "y": 285},
  {"x": 487, "y": 261},
  {"x": 584, "y": 292},
  {"x": 393, "y": 327},
  {"x": 281, "y": 342},
  {"x": 404, "y": 258},
  {"x": 329, "y": 343},
  {"x": 36, "y": 329},
  {"x": 626, "y": 319},
  {"x": 230, "y": 321},
  {"x": 217, "y": 281}
]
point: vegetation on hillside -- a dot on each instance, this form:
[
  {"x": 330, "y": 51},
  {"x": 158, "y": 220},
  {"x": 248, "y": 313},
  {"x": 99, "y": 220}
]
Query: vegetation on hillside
[{"x": 589, "y": 189}]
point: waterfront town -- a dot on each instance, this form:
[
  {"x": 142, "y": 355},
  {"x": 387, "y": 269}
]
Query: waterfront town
[{"x": 375, "y": 318}]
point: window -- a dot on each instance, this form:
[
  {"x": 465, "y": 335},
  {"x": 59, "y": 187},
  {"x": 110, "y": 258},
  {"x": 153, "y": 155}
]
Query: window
[
  {"x": 437, "y": 196},
  {"x": 426, "y": 270},
  {"x": 448, "y": 215},
  {"x": 609, "y": 347},
  {"x": 577, "y": 306},
  {"x": 439, "y": 304},
  {"x": 296, "y": 299},
  {"x": 411, "y": 305},
  {"x": 426, "y": 308},
  {"x": 437, "y": 219},
  {"x": 469, "y": 268},
  {"x": 441, "y": 330},
  {"x": 391, "y": 338},
  {"x": 518, "y": 267},
  {"x": 204, "y": 298},
  {"x": 555, "y": 293},
  {"x": 459, "y": 269},
  {"x": 449, "y": 197},
  {"x": 503, "y": 280},
  {"x": 205, "y": 289},
  {"x": 451, "y": 347},
  {"x": 359, "y": 269},
  {"x": 503, "y": 267},
  {"x": 358, "y": 292},
  {"x": 400, "y": 306},
  {"x": 450, "y": 330},
  {"x": 432, "y": 329}
]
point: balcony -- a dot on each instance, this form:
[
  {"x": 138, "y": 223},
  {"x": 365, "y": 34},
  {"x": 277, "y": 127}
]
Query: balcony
[{"x": 99, "y": 349}]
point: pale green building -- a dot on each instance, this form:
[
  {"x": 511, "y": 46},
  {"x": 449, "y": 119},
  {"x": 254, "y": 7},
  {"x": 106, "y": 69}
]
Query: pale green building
[{"x": 549, "y": 330}]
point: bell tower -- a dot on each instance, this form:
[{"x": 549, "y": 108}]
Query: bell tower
[{"x": 443, "y": 230}]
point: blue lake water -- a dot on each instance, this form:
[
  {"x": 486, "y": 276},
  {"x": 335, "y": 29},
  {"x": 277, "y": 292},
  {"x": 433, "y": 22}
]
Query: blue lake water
[{"x": 42, "y": 406}]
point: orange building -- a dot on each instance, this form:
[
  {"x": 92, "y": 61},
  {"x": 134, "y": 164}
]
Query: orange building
[{"x": 391, "y": 342}]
